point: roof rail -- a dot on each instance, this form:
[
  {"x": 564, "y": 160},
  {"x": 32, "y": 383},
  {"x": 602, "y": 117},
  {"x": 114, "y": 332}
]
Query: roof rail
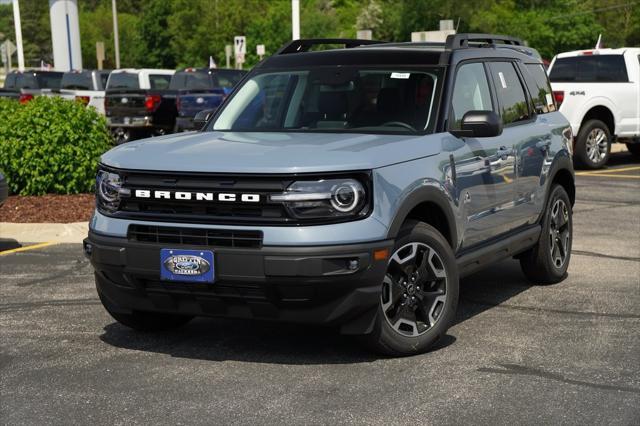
[
  {"x": 462, "y": 40},
  {"x": 304, "y": 45}
]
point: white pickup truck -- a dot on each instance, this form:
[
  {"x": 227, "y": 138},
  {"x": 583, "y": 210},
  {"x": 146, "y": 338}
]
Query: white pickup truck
[
  {"x": 598, "y": 91},
  {"x": 86, "y": 86}
]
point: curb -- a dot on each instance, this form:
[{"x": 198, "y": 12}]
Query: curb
[{"x": 45, "y": 232}]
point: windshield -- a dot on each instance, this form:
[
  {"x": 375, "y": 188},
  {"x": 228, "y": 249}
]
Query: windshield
[{"x": 334, "y": 99}]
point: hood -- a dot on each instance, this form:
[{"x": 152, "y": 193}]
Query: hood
[{"x": 235, "y": 152}]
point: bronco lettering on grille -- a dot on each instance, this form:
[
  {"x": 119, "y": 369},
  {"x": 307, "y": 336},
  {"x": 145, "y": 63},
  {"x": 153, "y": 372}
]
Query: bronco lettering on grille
[{"x": 198, "y": 196}]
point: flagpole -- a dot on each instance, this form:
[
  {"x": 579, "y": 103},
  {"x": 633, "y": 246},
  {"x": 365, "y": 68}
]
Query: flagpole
[{"x": 16, "y": 20}]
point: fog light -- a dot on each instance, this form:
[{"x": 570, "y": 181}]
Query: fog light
[{"x": 354, "y": 265}]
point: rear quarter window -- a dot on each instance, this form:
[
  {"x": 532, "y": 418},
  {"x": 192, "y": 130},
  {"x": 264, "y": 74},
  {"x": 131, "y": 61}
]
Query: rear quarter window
[
  {"x": 10, "y": 82},
  {"x": 540, "y": 88},
  {"x": 590, "y": 69}
]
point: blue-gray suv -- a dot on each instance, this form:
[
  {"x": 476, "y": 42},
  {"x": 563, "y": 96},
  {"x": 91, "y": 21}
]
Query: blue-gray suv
[{"x": 350, "y": 187}]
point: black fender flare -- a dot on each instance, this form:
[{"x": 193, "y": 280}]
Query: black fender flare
[
  {"x": 426, "y": 194},
  {"x": 561, "y": 162}
]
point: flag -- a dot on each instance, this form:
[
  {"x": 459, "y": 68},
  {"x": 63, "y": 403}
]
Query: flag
[
  {"x": 599, "y": 42},
  {"x": 212, "y": 63}
]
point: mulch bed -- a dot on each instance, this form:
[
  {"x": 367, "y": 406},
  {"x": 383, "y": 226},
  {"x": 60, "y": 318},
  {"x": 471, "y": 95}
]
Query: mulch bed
[{"x": 48, "y": 208}]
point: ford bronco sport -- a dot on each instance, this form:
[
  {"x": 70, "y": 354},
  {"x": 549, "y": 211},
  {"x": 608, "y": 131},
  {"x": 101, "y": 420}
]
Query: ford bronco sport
[{"x": 349, "y": 187}]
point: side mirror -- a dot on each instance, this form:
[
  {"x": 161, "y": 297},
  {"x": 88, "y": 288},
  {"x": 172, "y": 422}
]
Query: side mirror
[
  {"x": 480, "y": 124},
  {"x": 202, "y": 117}
]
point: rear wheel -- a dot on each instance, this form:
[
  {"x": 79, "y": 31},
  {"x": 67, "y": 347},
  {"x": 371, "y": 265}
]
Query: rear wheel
[
  {"x": 146, "y": 321},
  {"x": 634, "y": 148},
  {"x": 547, "y": 262},
  {"x": 593, "y": 145},
  {"x": 419, "y": 293}
]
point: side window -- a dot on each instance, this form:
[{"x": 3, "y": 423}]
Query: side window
[
  {"x": 511, "y": 97},
  {"x": 539, "y": 88},
  {"x": 470, "y": 93}
]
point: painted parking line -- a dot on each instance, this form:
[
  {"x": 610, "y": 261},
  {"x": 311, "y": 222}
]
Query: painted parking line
[
  {"x": 612, "y": 173},
  {"x": 31, "y": 247}
]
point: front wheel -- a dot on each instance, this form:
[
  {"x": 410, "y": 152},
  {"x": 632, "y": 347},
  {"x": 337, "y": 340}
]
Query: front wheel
[
  {"x": 419, "y": 293},
  {"x": 548, "y": 261}
]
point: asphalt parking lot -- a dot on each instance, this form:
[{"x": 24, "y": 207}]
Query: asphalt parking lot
[{"x": 567, "y": 353}]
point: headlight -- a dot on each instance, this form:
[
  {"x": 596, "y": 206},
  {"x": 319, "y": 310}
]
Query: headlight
[
  {"x": 324, "y": 198},
  {"x": 108, "y": 190}
]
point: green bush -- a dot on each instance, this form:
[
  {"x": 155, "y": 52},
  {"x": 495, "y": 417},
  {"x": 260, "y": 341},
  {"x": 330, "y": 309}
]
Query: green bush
[{"x": 50, "y": 145}]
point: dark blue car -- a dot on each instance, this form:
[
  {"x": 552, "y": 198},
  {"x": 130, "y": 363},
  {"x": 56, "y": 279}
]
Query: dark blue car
[{"x": 200, "y": 89}]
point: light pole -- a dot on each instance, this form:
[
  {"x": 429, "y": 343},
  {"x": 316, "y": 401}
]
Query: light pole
[
  {"x": 116, "y": 41},
  {"x": 295, "y": 19},
  {"x": 16, "y": 20}
]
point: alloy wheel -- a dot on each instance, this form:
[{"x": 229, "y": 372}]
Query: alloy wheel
[
  {"x": 414, "y": 289},
  {"x": 597, "y": 145},
  {"x": 559, "y": 233}
]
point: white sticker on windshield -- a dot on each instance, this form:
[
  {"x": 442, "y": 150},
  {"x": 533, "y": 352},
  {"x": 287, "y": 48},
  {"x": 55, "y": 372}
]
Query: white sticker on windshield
[
  {"x": 401, "y": 75},
  {"x": 549, "y": 99},
  {"x": 502, "y": 80}
]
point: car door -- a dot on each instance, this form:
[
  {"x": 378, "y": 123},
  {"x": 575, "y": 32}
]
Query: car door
[
  {"x": 483, "y": 166},
  {"x": 526, "y": 135}
]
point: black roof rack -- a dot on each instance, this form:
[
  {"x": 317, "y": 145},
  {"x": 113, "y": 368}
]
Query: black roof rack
[
  {"x": 303, "y": 45},
  {"x": 462, "y": 40}
]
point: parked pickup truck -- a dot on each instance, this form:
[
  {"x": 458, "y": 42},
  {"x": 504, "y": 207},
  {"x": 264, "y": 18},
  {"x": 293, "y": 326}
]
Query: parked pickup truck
[
  {"x": 201, "y": 89},
  {"x": 86, "y": 86},
  {"x": 139, "y": 104},
  {"x": 24, "y": 85},
  {"x": 350, "y": 187},
  {"x": 599, "y": 93}
]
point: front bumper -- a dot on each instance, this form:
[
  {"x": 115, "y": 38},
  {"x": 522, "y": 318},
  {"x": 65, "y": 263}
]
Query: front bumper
[{"x": 293, "y": 284}]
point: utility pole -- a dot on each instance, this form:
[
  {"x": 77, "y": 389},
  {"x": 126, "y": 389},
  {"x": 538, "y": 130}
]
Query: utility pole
[
  {"x": 295, "y": 19},
  {"x": 116, "y": 41},
  {"x": 16, "y": 20}
]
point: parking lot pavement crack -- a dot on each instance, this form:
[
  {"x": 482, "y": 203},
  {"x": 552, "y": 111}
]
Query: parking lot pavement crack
[
  {"x": 12, "y": 307},
  {"x": 608, "y": 256},
  {"x": 553, "y": 311},
  {"x": 515, "y": 369}
]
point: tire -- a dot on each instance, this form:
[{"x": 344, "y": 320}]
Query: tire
[
  {"x": 634, "y": 148},
  {"x": 593, "y": 145},
  {"x": 544, "y": 264},
  {"x": 146, "y": 321},
  {"x": 432, "y": 319},
  {"x": 122, "y": 135}
]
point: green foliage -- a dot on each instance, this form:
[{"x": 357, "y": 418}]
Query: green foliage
[{"x": 50, "y": 145}]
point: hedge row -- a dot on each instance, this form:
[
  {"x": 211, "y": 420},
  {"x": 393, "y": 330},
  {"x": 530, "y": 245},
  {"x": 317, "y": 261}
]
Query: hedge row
[{"x": 50, "y": 145}]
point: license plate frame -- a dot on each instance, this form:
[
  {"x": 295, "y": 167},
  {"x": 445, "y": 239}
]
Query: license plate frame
[{"x": 187, "y": 265}]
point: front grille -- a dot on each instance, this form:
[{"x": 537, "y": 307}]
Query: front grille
[
  {"x": 195, "y": 236},
  {"x": 214, "y": 210}
]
